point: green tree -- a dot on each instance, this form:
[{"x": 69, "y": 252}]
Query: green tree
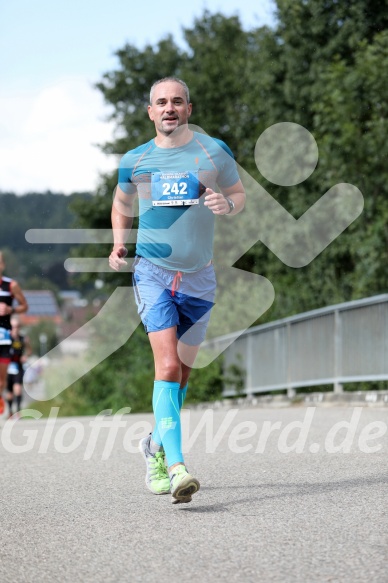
[
  {"x": 351, "y": 118},
  {"x": 44, "y": 332},
  {"x": 332, "y": 55}
]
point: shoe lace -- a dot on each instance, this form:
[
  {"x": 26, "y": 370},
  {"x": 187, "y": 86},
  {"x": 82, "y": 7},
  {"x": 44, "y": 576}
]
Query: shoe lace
[{"x": 159, "y": 466}]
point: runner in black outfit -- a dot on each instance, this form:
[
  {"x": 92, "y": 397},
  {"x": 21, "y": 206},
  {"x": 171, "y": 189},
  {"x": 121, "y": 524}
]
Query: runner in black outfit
[{"x": 9, "y": 291}]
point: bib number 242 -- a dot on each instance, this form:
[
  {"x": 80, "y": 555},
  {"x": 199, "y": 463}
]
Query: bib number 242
[{"x": 174, "y": 188}]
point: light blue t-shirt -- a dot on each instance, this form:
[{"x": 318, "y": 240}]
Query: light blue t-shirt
[{"x": 176, "y": 229}]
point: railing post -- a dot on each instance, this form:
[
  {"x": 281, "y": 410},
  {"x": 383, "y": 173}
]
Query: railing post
[
  {"x": 338, "y": 387},
  {"x": 249, "y": 365},
  {"x": 291, "y": 392}
]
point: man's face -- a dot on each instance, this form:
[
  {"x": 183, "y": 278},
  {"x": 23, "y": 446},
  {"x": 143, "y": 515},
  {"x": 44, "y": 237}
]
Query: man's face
[{"x": 169, "y": 108}]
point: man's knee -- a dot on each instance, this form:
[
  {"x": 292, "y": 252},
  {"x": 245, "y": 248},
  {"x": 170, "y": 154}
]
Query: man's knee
[{"x": 169, "y": 370}]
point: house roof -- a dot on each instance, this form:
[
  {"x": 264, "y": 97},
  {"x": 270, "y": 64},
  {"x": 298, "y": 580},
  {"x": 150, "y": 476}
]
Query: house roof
[{"x": 41, "y": 303}]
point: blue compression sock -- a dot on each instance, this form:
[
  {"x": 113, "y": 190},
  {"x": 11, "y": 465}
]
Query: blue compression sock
[
  {"x": 182, "y": 396},
  {"x": 165, "y": 402},
  {"x": 181, "y": 399}
]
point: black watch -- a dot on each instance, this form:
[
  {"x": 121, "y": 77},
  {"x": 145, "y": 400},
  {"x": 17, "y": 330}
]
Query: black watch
[{"x": 231, "y": 205}]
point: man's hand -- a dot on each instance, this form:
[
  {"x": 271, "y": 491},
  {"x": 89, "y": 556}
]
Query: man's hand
[
  {"x": 116, "y": 260},
  {"x": 216, "y": 202}
]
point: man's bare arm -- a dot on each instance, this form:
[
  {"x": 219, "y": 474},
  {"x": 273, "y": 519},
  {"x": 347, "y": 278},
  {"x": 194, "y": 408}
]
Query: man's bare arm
[
  {"x": 6, "y": 310},
  {"x": 122, "y": 219}
]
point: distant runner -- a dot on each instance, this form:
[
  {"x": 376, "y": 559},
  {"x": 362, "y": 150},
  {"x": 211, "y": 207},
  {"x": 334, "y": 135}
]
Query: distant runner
[{"x": 9, "y": 291}]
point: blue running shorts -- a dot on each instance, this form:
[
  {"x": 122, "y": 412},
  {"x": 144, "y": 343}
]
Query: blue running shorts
[{"x": 168, "y": 298}]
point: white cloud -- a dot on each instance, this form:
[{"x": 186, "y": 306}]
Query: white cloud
[{"x": 47, "y": 138}]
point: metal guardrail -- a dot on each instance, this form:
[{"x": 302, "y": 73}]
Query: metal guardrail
[{"x": 335, "y": 345}]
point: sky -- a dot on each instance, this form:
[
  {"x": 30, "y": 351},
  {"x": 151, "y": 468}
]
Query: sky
[{"x": 52, "y": 118}]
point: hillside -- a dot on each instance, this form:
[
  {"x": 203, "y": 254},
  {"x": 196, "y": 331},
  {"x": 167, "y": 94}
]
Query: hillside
[{"x": 26, "y": 262}]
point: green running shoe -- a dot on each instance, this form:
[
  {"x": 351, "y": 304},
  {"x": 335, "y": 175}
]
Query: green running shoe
[
  {"x": 182, "y": 485},
  {"x": 157, "y": 480}
]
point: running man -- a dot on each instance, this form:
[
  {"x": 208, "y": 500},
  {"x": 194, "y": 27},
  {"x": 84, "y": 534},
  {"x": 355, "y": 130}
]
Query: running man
[
  {"x": 19, "y": 352},
  {"x": 184, "y": 180},
  {"x": 9, "y": 291}
]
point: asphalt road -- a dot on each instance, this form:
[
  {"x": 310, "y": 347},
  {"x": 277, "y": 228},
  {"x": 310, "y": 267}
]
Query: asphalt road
[{"x": 279, "y": 501}]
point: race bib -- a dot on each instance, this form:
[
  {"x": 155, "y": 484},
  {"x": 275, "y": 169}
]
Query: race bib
[
  {"x": 5, "y": 336},
  {"x": 13, "y": 368},
  {"x": 175, "y": 188}
]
